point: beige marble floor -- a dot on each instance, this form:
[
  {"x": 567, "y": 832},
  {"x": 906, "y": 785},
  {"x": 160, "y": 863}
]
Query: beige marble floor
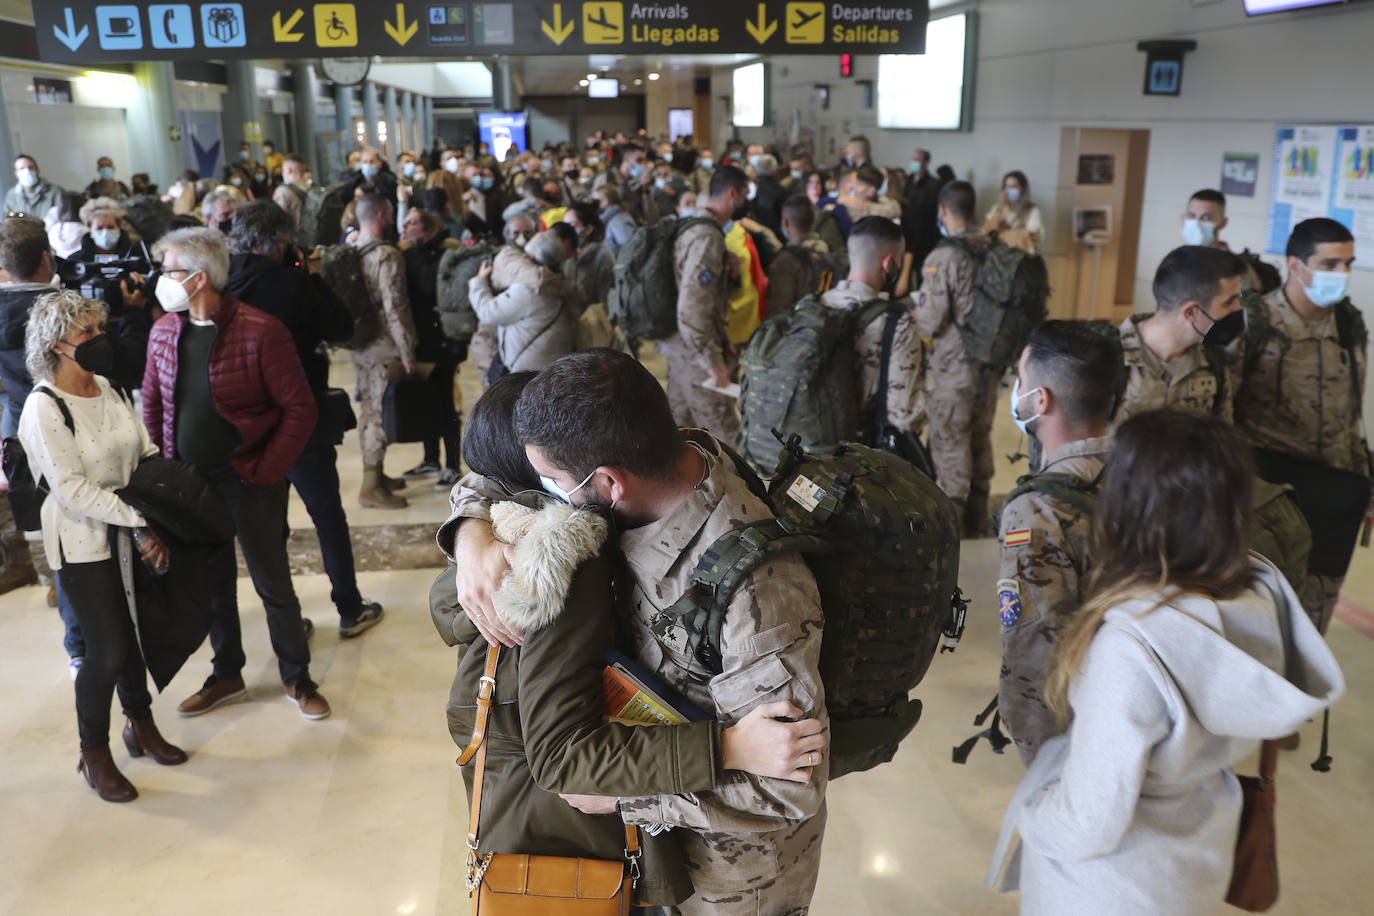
[{"x": 363, "y": 814}]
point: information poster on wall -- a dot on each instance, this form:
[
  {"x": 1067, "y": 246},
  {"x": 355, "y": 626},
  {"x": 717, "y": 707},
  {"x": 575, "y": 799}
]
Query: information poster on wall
[{"x": 1323, "y": 170}]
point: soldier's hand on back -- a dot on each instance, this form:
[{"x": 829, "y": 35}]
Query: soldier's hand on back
[
  {"x": 764, "y": 744},
  {"x": 481, "y": 562}
]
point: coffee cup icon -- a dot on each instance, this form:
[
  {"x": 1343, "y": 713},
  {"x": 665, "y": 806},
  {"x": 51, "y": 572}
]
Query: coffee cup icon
[{"x": 120, "y": 26}]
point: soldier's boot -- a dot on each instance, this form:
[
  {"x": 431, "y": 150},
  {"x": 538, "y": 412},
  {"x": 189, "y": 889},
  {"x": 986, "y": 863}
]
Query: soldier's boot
[
  {"x": 392, "y": 484},
  {"x": 976, "y": 513},
  {"x": 959, "y": 511},
  {"x": 375, "y": 495}
]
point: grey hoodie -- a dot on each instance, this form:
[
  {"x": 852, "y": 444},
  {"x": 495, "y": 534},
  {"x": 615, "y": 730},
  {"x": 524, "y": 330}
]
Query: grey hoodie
[{"x": 1135, "y": 810}]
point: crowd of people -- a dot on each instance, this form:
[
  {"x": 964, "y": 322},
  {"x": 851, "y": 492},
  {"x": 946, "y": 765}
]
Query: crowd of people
[{"x": 1165, "y": 580}]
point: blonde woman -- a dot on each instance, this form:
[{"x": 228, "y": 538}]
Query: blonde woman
[
  {"x": 1187, "y": 652},
  {"x": 1014, "y": 217},
  {"x": 85, "y": 440}
]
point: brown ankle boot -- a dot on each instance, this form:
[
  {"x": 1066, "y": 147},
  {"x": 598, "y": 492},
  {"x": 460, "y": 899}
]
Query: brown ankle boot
[
  {"x": 142, "y": 737},
  {"x": 375, "y": 495},
  {"x": 102, "y": 775},
  {"x": 392, "y": 484}
]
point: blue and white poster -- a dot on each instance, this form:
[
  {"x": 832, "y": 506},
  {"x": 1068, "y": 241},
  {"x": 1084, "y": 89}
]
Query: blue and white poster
[{"x": 1323, "y": 170}]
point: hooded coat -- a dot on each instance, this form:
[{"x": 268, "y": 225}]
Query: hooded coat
[
  {"x": 1136, "y": 809},
  {"x": 546, "y": 733}
]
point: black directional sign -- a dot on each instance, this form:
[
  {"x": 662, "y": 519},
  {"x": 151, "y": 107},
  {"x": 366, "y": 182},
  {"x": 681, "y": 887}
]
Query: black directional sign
[{"x": 87, "y": 31}]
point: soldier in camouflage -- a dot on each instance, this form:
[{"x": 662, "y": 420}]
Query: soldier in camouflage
[
  {"x": 1183, "y": 356},
  {"x": 384, "y": 275},
  {"x": 1066, "y": 382},
  {"x": 701, "y": 351},
  {"x": 962, "y": 391},
  {"x": 598, "y": 428},
  {"x": 1303, "y": 388}
]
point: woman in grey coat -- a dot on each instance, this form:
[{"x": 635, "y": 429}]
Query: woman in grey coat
[
  {"x": 1187, "y": 653},
  {"x": 534, "y": 324}
]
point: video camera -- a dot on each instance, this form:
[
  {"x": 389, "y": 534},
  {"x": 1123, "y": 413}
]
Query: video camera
[{"x": 104, "y": 281}]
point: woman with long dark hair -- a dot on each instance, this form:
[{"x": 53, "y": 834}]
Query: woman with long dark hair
[{"x": 1188, "y": 650}]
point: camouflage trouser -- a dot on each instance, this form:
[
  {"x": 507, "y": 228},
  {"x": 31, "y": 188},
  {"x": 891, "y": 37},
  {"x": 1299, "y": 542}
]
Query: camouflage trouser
[
  {"x": 1318, "y": 595},
  {"x": 694, "y": 406},
  {"x": 788, "y": 894},
  {"x": 482, "y": 351},
  {"x": 961, "y": 435},
  {"x": 371, "y": 386}
]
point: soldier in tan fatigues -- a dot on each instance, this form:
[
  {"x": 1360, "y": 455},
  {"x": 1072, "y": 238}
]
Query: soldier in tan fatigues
[
  {"x": 753, "y": 845},
  {"x": 962, "y": 391},
  {"x": 1167, "y": 362},
  {"x": 384, "y": 275},
  {"x": 290, "y": 194},
  {"x": 790, "y": 275},
  {"x": 701, "y": 350},
  {"x": 1066, "y": 381},
  {"x": 1303, "y": 391}
]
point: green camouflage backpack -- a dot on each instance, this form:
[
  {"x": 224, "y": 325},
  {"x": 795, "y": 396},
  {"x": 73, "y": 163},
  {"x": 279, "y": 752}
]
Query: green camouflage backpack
[
  {"x": 824, "y": 269},
  {"x": 456, "y": 268},
  {"x": 1351, "y": 332},
  {"x": 828, "y": 230},
  {"x": 341, "y": 266},
  {"x": 1009, "y": 296},
  {"x": 801, "y": 377},
  {"x": 1268, "y": 275},
  {"x": 883, "y": 543},
  {"x": 643, "y": 299}
]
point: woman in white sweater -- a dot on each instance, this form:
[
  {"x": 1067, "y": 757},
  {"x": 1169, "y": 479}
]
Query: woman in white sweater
[
  {"x": 1187, "y": 652},
  {"x": 85, "y": 440}
]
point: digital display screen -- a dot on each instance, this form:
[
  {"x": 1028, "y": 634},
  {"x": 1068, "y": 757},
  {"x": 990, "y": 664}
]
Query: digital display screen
[
  {"x": 1260, "y": 7},
  {"x": 603, "y": 89},
  {"x": 926, "y": 91},
  {"x": 751, "y": 96}
]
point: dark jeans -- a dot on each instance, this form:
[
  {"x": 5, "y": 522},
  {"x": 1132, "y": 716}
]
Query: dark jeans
[
  {"x": 14, "y": 375},
  {"x": 451, "y": 424},
  {"x": 72, "y": 640},
  {"x": 113, "y": 660},
  {"x": 260, "y": 517},
  {"x": 316, "y": 478}
]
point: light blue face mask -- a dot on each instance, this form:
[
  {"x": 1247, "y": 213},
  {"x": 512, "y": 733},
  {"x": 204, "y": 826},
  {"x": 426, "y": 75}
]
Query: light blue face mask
[
  {"x": 636, "y": 170},
  {"x": 754, "y": 159},
  {"x": 687, "y": 212},
  {"x": 553, "y": 489},
  {"x": 107, "y": 173},
  {"x": 1328, "y": 287},
  {"x": 707, "y": 163},
  {"x": 408, "y": 169},
  {"x": 1016, "y": 398},
  {"x": 944, "y": 231},
  {"x": 369, "y": 171},
  {"x": 1013, "y": 195},
  {"x": 914, "y": 167}
]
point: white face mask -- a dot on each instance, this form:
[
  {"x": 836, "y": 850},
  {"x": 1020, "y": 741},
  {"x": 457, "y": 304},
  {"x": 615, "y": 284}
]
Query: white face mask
[
  {"x": 687, "y": 212},
  {"x": 553, "y": 489},
  {"x": 451, "y": 165},
  {"x": 753, "y": 190},
  {"x": 28, "y": 177},
  {"x": 1199, "y": 232},
  {"x": 1328, "y": 287},
  {"x": 172, "y": 295},
  {"x": 105, "y": 239},
  {"x": 1016, "y": 398}
]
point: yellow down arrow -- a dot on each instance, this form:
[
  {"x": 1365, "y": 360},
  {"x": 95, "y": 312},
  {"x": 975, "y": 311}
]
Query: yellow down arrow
[
  {"x": 282, "y": 33},
  {"x": 558, "y": 32},
  {"x": 765, "y": 29},
  {"x": 400, "y": 32}
]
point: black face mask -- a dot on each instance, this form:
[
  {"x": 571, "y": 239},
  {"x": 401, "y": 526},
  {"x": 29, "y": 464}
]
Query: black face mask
[
  {"x": 225, "y": 226},
  {"x": 740, "y": 212},
  {"x": 95, "y": 355},
  {"x": 1224, "y": 330}
]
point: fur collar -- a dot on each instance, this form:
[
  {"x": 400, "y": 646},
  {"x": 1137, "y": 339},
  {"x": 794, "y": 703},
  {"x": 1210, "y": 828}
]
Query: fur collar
[{"x": 550, "y": 544}]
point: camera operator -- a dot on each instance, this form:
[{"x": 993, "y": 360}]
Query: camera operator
[
  {"x": 106, "y": 238},
  {"x": 268, "y": 272}
]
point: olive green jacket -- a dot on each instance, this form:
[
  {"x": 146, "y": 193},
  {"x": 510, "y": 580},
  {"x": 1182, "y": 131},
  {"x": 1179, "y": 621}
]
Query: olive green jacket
[{"x": 546, "y": 732}]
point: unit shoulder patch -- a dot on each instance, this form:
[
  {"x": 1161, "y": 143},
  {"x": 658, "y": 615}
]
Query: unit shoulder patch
[
  {"x": 705, "y": 277},
  {"x": 1008, "y": 601}
]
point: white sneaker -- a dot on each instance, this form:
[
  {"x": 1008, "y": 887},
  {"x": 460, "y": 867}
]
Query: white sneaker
[{"x": 74, "y": 666}]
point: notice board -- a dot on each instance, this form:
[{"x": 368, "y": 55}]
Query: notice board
[{"x": 1322, "y": 170}]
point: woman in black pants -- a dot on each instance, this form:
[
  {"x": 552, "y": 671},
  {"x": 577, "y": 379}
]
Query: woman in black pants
[{"x": 85, "y": 440}]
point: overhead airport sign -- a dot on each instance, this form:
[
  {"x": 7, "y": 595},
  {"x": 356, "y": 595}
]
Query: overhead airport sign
[{"x": 85, "y": 31}]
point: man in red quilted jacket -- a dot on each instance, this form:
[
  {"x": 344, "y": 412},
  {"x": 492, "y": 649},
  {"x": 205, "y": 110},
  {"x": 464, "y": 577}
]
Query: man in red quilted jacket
[{"x": 225, "y": 391}]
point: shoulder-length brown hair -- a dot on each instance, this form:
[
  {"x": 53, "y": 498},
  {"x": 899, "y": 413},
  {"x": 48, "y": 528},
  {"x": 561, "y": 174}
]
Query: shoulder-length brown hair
[{"x": 1173, "y": 520}]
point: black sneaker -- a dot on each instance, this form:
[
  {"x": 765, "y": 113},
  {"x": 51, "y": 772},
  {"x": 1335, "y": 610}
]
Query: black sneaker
[
  {"x": 423, "y": 469},
  {"x": 446, "y": 480},
  {"x": 308, "y": 626},
  {"x": 368, "y": 617}
]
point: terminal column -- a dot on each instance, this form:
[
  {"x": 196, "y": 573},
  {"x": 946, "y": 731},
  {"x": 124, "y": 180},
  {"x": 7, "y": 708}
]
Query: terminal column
[
  {"x": 6, "y": 143},
  {"x": 343, "y": 123},
  {"x": 152, "y": 119},
  {"x": 429, "y": 121},
  {"x": 370, "y": 113},
  {"x": 409, "y": 136},
  {"x": 241, "y": 110},
  {"x": 394, "y": 143},
  {"x": 303, "y": 75}
]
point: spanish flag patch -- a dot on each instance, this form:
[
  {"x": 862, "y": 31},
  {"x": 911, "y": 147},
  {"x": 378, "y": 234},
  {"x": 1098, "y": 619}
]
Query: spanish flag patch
[{"x": 1017, "y": 538}]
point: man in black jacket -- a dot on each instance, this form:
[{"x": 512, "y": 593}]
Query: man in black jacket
[
  {"x": 267, "y": 272},
  {"x": 922, "y": 226},
  {"x": 766, "y": 205},
  {"x": 374, "y": 176}
]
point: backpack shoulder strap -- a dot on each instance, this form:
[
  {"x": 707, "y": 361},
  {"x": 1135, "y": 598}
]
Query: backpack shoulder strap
[
  {"x": 1069, "y": 489},
  {"x": 365, "y": 250},
  {"x": 894, "y": 316},
  {"x": 299, "y": 192},
  {"x": 1258, "y": 329},
  {"x": 1216, "y": 361},
  {"x": 61, "y": 405}
]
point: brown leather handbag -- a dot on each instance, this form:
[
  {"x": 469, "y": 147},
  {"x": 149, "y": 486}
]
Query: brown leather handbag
[
  {"x": 1255, "y": 874},
  {"x": 512, "y": 884}
]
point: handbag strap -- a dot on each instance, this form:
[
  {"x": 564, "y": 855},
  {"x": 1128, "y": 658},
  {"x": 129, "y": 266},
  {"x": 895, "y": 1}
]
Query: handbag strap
[{"x": 486, "y": 692}]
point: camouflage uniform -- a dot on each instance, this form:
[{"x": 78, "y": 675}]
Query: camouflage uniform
[
  {"x": 1044, "y": 567},
  {"x": 789, "y": 276},
  {"x": 1299, "y": 400},
  {"x": 962, "y": 392},
  {"x": 1188, "y": 383},
  {"x": 753, "y": 844},
  {"x": 292, "y": 202},
  {"x": 703, "y": 336},
  {"x": 384, "y": 274},
  {"x": 906, "y": 393}
]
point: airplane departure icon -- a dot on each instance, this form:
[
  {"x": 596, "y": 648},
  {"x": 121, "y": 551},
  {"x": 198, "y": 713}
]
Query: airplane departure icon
[
  {"x": 805, "y": 23},
  {"x": 803, "y": 19}
]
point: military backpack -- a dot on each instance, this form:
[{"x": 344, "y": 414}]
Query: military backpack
[
  {"x": 882, "y": 541},
  {"x": 321, "y": 211},
  {"x": 801, "y": 377},
  {"x": 459, "y": 265},
  {"x": 643, "y": 299},
  {"x": 823, "y": 270},
  {"x": 1268, "y": 275},
  {"x": 341, "y": 266},
  {"x": 1009, "y": 294},
  {"x": 1351, "y": 333}
]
